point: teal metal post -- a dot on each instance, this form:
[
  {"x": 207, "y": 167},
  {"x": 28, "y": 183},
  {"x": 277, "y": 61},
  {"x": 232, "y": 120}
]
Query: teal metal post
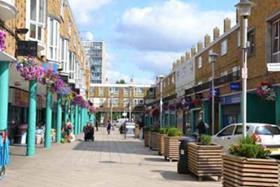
[
  {"x": 59, "y": 119},
  {"x": 4, "y": 94},
  {"x": 80, "y": 120},
  {"x": 220, "y": 116},
  {"x": 72, "y": 115},
  {"x": 76, "y": 127},
  {"x": 31, "y": 118},
  {"x": 66, "y": 112},
  {"x": 48, "y": 119}
]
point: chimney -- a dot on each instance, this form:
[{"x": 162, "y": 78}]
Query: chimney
[
  {"x": 187, "y": 56},
  {"x": 207, "y": 40},
  {"x": 227, "y": 25},
  {"x": 199, "y": 46},
  {"x": 216, "y": 33},
  {"x": 193, "y": 51}
]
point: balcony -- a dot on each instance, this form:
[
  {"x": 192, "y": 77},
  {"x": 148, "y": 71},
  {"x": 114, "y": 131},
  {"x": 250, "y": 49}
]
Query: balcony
[{"x": 7, "y": 10}]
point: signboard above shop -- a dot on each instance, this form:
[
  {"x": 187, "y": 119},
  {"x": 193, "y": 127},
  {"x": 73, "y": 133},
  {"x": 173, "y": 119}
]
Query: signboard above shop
[
  {"x": 273, "y": 67},
  {"x": 27, "y": 48},
  {"x": 235, "y": 86}
]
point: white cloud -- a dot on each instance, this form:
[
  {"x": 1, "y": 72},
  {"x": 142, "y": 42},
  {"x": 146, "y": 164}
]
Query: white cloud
[
  {"x": 171, "y": 26},
  {"x": 83, "y": 8}
]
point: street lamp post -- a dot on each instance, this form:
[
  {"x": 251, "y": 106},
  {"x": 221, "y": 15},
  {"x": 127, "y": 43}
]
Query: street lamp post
[
  {"x": 212, "y": 58},
  {"x": 111, "y": 105},
  {"x": 160, "y": 77},
  {"x": 244, "y": 10},
  {"x": 130, "y": 103}
]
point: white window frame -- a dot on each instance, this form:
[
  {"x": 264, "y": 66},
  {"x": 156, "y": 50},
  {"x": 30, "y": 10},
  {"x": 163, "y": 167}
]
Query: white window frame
[
  {"x": 224, "y": 47},
  {"x": 199, "y": 64},
  {"x": 62, "y": 8},
  {"x": 64, "y": 49},
  {"x": 276, "y": 37},
  {"x": 53, "y": 39},
  {"x": 37, "y": 22}
]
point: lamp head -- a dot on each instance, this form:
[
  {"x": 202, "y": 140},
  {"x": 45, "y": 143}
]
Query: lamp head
[
  {"x": 212, "y": 56},
  {"x": 244, "y": 8}
]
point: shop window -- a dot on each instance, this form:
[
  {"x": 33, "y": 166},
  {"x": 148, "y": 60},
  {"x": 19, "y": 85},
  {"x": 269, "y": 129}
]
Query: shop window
[
  {"x": 37, "y": 19},
  {"x": 252, "y": 43}
]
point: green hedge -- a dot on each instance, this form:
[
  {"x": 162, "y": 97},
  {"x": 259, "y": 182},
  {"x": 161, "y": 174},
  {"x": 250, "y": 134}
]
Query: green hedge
[{"x": 174, "y": 132}]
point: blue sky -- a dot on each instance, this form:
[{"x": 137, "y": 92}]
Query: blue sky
[{"x": 144, "y": 37}]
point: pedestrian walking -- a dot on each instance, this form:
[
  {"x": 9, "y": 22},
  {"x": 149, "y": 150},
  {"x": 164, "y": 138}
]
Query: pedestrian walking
[
  {"x": 201, "y": 126},
  {"x": 109, "y": 126}
]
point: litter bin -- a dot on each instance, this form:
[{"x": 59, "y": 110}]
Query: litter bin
[{"x": 182, "y": 165}]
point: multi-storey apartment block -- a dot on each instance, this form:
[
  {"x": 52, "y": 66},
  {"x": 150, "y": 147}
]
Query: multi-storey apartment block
[
  {"x": 119, "y": 98},
  {"x": 95, "y": 52}
]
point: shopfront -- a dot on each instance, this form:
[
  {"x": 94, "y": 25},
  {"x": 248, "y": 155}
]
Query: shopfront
[{"x": 18, "y": 114}]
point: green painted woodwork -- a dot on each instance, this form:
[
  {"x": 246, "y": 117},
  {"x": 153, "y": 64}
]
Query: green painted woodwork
[
  {"x": 47, "y": 142},
  {"x": 30, "y": 151},
  {"x": 220, "y": 116},
  {"x": 260, "y": 110},
  {"x": 66, "y": 117},
  {"x": 59, "y": 119},
  {"x": 76, "y": 120},
  {"x": 277, "y": 106},
  {"x": 4, "y": 94}
]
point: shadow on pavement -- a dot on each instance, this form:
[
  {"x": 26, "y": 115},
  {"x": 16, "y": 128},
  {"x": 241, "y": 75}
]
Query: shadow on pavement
[
  {"x": 155, "y": 159},
  {"x": 127, "y": 147}
]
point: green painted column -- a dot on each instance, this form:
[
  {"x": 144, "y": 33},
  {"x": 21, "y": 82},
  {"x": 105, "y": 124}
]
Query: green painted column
[
  {"x": 48, "y": 119},
  {"x": 66, "y": 112},
  {"x": 31, "y": 118},
  {"x": 80, "y": 120},
  {"x": 4, "y": 94},
  {"x": 76, "y": 127},
  {"x": 206, "y": 115},
  {"x": 220, "y": 116},
  {"x": 59, "y": 119},
  {"x": 193, "y": 121},
  {"x": 277, "y": 106},
  {"x": 72, "y": 114}
]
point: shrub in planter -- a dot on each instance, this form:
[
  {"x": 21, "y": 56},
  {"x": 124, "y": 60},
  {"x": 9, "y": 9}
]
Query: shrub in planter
[
  {"x": 205, "y": 158},
  {"x": 249, "y": 165},
  {"x": 162, "y": 133},
  {"x": 174, "y": 132}
]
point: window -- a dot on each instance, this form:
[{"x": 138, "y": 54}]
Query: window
[
  {"x": 276, "y": 41},
  {"x": 37, "y": 19},
  {"x": 236, "y": 72},
  {"x": 53, "y": 39},
  {"x": 227, "y": 131},
  {"x": 267, "y": 130},
  {"x": 101, "y": 92},
  {"x": 238, "y": 38},
  {"x": 199, "y": 62},
  {"x": 239, "y": 129},
  {"x": 64, "y": 54},
  {"x": 224, "y": 47},
  {"x": 251, "y": 40},
  {"x": 126, "y": 92},
  {"x": 62, "y": 8}
]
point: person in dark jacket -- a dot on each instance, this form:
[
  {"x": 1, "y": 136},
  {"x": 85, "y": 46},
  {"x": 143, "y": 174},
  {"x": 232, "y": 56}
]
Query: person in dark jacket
[
  {"x": 109, "y": 126},
  {"x": 201, "y": 126}
]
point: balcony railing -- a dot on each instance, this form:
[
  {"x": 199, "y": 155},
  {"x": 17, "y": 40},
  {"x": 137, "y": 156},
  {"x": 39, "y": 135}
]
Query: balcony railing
[{"x": 235, "y": 76}]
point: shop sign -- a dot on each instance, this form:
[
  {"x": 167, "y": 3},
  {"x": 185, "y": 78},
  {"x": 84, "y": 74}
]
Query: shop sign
[
  {"x": 235, "y": 86},
  {"x": 233, "y": 99},
  {"x": 27, "y": 48},
  {"x": 21, "y": 98},
  {"x": 216, "y": 92},
  {"x": 273, "y": 67}
]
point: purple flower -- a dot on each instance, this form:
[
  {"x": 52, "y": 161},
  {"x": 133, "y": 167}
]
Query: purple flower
[{"x": 2, "y": 40}]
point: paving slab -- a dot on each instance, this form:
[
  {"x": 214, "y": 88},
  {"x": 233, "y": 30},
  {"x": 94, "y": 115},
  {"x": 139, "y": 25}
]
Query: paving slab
[{"x": 109, "y": 161}]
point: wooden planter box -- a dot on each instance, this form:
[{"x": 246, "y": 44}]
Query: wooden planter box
[
  {"x": 240, "y": 171},
  {"x": 154, "y": 141},
  {"x": 147, "y": 135},
  {"x": 205, "y": 160},
  {"x": 161, "y": 144},
  {"x": 171, "y": 148}
]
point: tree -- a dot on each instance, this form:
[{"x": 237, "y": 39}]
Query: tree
[{"x": 120, "y": 81}]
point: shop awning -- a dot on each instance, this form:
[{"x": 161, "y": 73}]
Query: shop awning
[{"x": 6, "y": 57}]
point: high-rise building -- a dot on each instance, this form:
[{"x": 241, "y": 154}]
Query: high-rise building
[{"x": 95, "y": 52}]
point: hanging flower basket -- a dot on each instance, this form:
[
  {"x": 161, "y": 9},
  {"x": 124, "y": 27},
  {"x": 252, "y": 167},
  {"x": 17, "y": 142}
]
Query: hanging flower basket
[
  {"x": 92, "y": 109},
  {"x": 2, "y": 40},
  {"x": 29, "y": 69},
  {"x": 49, "y": 78},
  {"x": 172, "y": 107},
  {"x": 266, "y": 91},
  {"x": 165, "y": 106}
]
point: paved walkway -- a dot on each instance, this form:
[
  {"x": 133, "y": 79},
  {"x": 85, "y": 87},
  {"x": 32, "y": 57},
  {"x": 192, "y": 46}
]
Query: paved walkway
[{"x": 110, "y": 161}]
